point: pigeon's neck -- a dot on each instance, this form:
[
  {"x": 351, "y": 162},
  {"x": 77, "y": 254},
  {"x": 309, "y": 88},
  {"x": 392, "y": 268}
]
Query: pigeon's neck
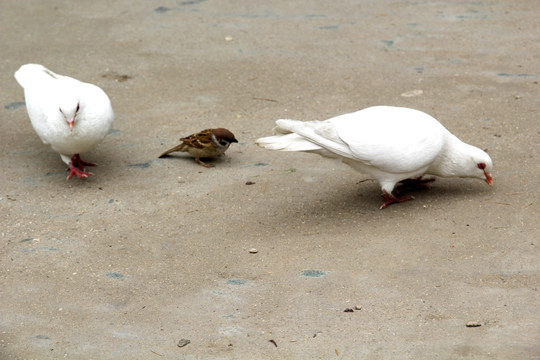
[{"x": 450, "y": 161}]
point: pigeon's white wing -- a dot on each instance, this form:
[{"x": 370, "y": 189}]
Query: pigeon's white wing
[
  {"x": 41, "y": 110},
  {"x": 34, "y": 75},
  {"x": 42, "y": 89},
  {"x": 392, "y": 139}
]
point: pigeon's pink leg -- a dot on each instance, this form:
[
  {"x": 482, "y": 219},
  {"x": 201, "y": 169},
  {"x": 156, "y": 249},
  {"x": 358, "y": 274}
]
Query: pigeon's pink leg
[
  {"x": 76, "y": 167},
  {"x": 390, "y": 199},
  {"x": 80, "y": 163}
]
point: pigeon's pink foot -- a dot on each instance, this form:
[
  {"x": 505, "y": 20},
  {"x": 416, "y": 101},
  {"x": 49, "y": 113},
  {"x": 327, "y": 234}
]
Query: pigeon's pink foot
[
  {"x": 390, "y": 199},
  {"x": 77, "y": 172},
  {"x": 80, "y": 163}
]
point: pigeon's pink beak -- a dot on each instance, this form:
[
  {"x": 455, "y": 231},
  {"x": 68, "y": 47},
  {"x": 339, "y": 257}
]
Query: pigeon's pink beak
[
  {"x": 71, "y": 122},
  {"x": 489, "y": 179}
]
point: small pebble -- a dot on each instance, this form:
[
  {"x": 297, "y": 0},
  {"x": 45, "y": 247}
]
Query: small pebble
[
  {"x": 183, "y": 342},
  {"x": 253, "y": 251},
  {"x": 358, "y": 307},
  {"x": 473, "y": 324},
  {"x": 348, "y": 310},
  {"x": 412, "y": 93},
  {"x": 250, "y": 183}
]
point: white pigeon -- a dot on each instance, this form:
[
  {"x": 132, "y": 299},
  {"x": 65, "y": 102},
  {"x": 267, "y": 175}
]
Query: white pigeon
[
  {"x": 70, "y": 115},
  {"x": 392, "y": 144}
]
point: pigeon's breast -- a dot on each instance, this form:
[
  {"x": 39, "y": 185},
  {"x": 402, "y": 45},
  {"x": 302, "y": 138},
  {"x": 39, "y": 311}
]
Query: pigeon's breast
[
  {"x": 87, "y": 132},
  {"x": 75, "y": 142}
]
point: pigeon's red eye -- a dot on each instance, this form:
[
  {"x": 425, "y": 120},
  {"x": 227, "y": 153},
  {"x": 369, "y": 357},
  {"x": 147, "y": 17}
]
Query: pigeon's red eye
[{"x": 481, "y": 166}]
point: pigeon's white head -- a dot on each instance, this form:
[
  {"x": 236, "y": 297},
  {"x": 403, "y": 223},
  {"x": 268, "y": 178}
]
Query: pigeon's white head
[
  {"x": 69, "y": 109},
  {"x": 480, "y": 165}
]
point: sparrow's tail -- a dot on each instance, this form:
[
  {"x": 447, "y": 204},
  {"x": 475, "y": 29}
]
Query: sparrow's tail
[{"x": 180, "y": 147}]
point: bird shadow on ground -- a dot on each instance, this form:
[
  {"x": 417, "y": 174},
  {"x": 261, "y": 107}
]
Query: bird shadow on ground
[
  {"x": 185, "y": 157},
  {"x": 351, "y": 200}
]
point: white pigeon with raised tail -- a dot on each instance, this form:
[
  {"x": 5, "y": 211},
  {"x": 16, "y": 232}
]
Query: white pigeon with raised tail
[
  {"x": 70, "y": 115},
  {"x": 392, "y": 144}
]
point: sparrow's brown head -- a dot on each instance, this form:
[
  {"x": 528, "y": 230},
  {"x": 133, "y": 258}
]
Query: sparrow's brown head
[{"x": 224, "y": 137}]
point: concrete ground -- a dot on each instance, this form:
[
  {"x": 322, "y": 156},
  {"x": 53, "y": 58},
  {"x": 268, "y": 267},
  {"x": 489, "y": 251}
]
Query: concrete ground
[{"x": 127, "y": 263}]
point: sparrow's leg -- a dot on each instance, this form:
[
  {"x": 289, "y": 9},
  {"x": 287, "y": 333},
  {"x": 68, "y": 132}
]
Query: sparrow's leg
[
  {"x": 390, "y": 199},
  {"x": 199, "y": 161},
  {"x": 80, "y": 163}
]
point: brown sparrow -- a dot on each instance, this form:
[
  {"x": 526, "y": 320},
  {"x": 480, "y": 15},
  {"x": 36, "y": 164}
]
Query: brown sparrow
[{"x": 205, "y": 144}]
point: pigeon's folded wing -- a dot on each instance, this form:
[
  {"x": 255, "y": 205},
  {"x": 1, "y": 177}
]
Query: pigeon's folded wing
[{"x": 412, "y": 144}]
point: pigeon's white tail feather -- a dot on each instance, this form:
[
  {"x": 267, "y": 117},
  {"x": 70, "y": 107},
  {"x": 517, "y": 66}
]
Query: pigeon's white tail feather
[
  {"x": 31, "y": 73},
  {"x": 286, "y": 126},
  {"x": 281, "y": 130},
  {"x": 321, "y": 133},
  {"x": 287, "y": 142}
]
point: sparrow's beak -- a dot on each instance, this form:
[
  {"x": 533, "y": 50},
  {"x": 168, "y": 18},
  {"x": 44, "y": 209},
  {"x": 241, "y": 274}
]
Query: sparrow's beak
[
  {"x": 71, "y": 122},
  {"x": 489, "y": 179}
]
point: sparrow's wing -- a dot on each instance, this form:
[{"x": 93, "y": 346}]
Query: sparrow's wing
[{"x": 199, "y": 140}]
